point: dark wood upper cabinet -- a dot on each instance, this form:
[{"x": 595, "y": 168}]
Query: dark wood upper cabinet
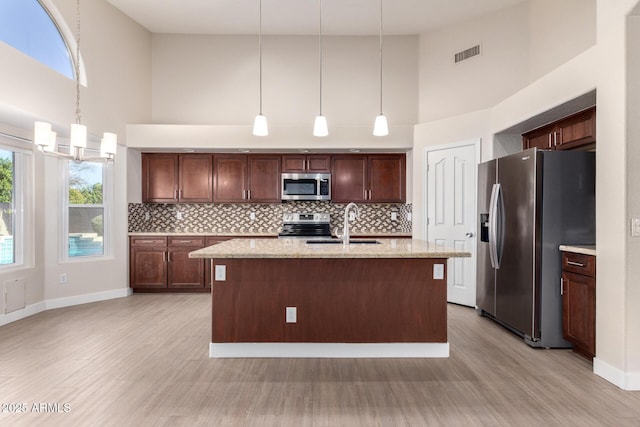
[
  {"x": 176, "y": 178},
  {"x": 371, "y": 178},
  {"x": 246, "y": 178},
  {"x": 229, "y": 178},
  {"x": 309, "y": 163},
  {"x": 159, "y": 178},
  {"x": 577, "y": 131}
]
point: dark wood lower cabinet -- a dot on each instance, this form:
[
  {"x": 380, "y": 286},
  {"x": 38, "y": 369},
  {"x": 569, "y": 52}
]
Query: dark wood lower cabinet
[
  {"x": 579, "y": 303},
  {"x": 162, "y": 264}
]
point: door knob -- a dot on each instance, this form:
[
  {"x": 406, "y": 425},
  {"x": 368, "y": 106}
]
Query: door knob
[{"x": 469, "y": 234}]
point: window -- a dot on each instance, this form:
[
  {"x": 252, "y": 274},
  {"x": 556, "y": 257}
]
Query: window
[
  {"x": 27, "y": 26},
  {"x": 87, "y": 212},
  {"x": 11, "y": 210}
]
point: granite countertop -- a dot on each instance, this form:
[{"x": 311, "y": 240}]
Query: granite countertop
[
  {"x": 253, "y": 234},
  {"x": 298, "y": 248},
  {"x": 579, "y": 249}
]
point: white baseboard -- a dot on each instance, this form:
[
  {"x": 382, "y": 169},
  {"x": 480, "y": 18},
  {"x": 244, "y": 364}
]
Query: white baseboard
[
  {"x": 87, "y": 298},
  {"x": 29, "y": 310},
  {"x": 625, "y": 380},
  {"x": 41, "y": 306},
  {"x": 328, "y": 350}
]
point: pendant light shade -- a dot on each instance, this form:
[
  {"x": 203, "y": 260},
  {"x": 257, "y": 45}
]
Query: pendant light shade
[
  {"x": 78, "y": 134},
  {"x": 380, "y": 126},
  {"x": 320, "y": 127},
  {"x": 260, "y": 127}
]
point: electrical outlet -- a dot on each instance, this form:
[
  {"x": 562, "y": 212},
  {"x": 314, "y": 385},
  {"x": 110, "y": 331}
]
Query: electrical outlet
[
  {"x": 438, "y": 271},
  {"x": 63, "y": 278},
  {"x": 635, "y": 227},
  {"x": 178, "y": 215},
  {"x": 291, "y": 314},
  {"x": 220, "y": 273},
  {"x": 147, "y": 216},
  {"x": 352, "y": 216},
  {"x": 394, "y": 216},
  {"x": 409, "y": 216},
  {"x": 252, "y": 216}
]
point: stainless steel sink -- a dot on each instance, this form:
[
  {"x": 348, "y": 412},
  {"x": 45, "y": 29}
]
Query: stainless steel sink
[{"x": 339, "y": 242}]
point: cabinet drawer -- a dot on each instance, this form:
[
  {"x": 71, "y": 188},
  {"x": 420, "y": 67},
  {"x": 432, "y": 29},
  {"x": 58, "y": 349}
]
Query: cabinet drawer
[
  {"x": 148, "y": 241},
  {"x": 579, "y": 264},
  {"x": 186, "y": 241}
]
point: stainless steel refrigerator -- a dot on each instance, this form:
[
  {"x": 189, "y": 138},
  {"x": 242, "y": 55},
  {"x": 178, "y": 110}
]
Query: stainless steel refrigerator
[{"x": 529, "y": 203}]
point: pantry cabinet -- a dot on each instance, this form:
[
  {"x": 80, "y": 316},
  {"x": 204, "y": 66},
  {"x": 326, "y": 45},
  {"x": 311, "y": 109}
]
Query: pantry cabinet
[
  {"x": 373, "y": 178},
  {"x": 572, "y": 132},
  {"x": 579, "y": 302}
]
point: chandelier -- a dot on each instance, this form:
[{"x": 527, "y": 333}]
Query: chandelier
[{"x": 45, "y": 138}]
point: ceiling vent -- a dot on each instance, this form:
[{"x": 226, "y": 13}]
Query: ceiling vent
[{"x": 468, "y": 53}]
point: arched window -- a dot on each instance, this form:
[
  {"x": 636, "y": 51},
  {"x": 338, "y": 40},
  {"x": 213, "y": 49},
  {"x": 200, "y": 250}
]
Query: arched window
[{"x": 27, "y": 26}]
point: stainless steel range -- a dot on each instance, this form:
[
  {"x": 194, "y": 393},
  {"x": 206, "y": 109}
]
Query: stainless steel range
[{"x": 305, "y": 225}]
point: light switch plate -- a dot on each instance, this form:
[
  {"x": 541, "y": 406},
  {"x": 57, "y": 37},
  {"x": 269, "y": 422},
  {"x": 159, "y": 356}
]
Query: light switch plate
[
  {"x": 221, "y": 273},
  {"x": 438, "y": 271},
  {"x": 635, "y": 227}
]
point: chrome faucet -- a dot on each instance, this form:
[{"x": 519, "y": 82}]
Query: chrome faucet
[{"x": 345, "y": 226}]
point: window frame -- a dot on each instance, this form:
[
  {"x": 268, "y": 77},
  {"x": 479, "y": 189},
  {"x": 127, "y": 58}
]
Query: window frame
[
  {"x": 107, "y": 206},
  {"x": 21, "y": 168}
]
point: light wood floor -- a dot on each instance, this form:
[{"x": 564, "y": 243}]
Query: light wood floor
[{"x": 144, "y": 361}]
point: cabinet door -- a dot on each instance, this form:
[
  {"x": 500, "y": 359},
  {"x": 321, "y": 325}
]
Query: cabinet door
[
  {"x": 184, "y": 272},
  {"x": 229, "y": 178},
  {"x": 264, "y": 179},
  {"x": 578, "y": 130},
  {"x": 196, "y": 178},
  {"x": 159, "y": 178},
  {"x": 348, "y": 178},
  {"x": 319, "y": 163},
  {"x": 311, "y": 163},
  {"x": 539, "y": 138},
  {"x": 294, "y": 163},
  {"x": 148, "y": 267},
  {"x": 387, "y": 178},
  {"x": 578, "y": 312}
]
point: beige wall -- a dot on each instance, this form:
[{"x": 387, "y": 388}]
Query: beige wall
[
  {"x": 558, "y": 31},
  {"x": 117, "y": 59}
]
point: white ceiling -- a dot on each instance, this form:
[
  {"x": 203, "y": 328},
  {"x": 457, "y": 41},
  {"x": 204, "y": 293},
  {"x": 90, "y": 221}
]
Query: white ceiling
[{"x": 295, "y": 17}]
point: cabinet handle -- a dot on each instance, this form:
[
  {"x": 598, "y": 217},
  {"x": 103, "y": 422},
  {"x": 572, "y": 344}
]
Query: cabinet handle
[
  {"x": 577, "y": 264},
  {"x": 549, "y": 140},
  {"x": 555, "y": 139},
  {"x": 179, "y": 194},
  {"x": 561, "y": 286},
  {"x": 169, "y": 256},
  {"x": 248, "y": 194},
  {"x": 164, "y": 256},
  {"x": 184, "y": 241}
]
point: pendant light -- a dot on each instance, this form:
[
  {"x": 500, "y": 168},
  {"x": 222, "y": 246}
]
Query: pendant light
[
  {"x": 380, "y": 127},
  {"x": 320, "y": 125},
  {"x": 260, "y": 127},
  {"x": 45, "y": 139}
]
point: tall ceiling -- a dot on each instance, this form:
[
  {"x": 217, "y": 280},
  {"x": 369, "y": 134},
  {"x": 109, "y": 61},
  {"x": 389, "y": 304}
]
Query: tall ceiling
[{"x": 299, "y": 17}]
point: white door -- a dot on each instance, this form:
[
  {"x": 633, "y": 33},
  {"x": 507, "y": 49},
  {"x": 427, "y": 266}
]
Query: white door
[{"x": 451, "y": 207}]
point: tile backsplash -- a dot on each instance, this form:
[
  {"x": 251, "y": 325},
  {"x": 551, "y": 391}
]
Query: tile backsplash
[{"x": 237, "y": 218}]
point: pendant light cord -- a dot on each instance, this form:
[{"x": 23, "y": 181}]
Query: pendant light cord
[
  {"x": 77, "y": 64},
  {"x": 380, "y": 57},
  {"x": 320, "y": 53},
  {"x": 260, "y": 52}
]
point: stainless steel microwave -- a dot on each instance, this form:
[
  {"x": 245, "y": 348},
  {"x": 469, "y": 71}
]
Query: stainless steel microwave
[{"x": 306, "y": 186}]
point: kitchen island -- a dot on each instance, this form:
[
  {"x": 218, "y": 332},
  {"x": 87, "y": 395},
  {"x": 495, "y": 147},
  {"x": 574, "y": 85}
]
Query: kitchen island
[{"x": 289, "y": 298}]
